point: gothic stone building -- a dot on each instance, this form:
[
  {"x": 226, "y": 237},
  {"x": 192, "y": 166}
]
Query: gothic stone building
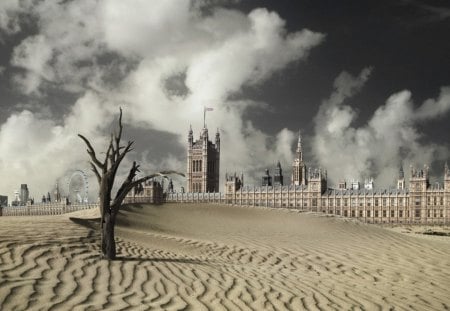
[
  {"x": 421, "y": 203},
  {"x": 309, "y": 191},
  {"x": 203, "y": 163}
]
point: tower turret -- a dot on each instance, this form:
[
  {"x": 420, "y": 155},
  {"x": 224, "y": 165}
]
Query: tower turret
[
  {"x": 190, "y": 137},
  {"x": 401, "y": 179},
  {"x": 298, "y": 166},
  {"x": 57, "y": 193},
  {"x": 317, "y": 180},
  {"x": 419, "y": 181},
  {"x": 278, "y": 176},
  {"x": 266, "y": 179}
]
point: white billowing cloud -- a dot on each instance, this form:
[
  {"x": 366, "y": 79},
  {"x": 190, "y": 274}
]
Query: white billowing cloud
[
  {"x": 349, "y": 152},
  {"x": 435, "y": 108},
  {"x": 9, "y": 23},
  {"x": 117, "y": 53},
  {"x": 33, "y": 54},
  {"x": 66, "y": 50}
]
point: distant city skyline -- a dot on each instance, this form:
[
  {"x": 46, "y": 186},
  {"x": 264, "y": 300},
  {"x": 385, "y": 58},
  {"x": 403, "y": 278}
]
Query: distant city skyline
[{"x": 367, "y": 83}]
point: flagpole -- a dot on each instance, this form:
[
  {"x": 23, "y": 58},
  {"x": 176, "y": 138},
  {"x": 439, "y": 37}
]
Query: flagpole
[{"x": 205, "y": 109}]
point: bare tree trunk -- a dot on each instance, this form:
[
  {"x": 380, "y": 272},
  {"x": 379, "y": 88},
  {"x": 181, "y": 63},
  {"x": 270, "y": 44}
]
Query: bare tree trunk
[
  {"x": 106, "y": 172},
  {"x": 108, "y": 241}
]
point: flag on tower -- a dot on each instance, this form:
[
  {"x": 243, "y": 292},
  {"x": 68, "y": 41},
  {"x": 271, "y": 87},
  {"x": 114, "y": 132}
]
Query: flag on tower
[{"x": 205, "y": 109}]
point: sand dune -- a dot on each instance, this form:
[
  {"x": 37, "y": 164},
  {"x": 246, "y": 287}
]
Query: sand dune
[{"x": 192, "y": 257}]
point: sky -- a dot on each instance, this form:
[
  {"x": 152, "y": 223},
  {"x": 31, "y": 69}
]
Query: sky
[{"x": 366, "y": 82}]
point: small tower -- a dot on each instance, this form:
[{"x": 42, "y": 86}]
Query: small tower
[
  {"x": 317, "y": 180},
  {"x": 298, "y": 166},
  {"x": 170, "y": 186},
  {"x": 278, "y": 176},
  {"x": 368, "y": 184},
  {"x": 266, "y": 179},
  {"x": 419, "y": 181},
  {"x": 355, "y": 184},
  {"x": 57, "y": 193},
  {"x": 401, "y": 185},
  {"x": 232, "y": 184}
]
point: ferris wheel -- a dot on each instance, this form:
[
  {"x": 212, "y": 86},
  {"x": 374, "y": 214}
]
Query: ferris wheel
[{"x": 78, "y": 187}]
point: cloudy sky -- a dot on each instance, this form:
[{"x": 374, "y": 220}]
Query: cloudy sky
[{"x": 367, "y": 83}]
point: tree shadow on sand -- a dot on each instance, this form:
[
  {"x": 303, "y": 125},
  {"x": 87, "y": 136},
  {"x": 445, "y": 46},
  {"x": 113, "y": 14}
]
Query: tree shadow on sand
[{"x": 91, "y": 223}]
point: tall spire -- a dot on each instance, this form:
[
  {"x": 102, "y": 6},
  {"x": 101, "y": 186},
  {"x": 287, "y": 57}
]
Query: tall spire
[
  {"x": 299, "y": 147},
  {"x": 190, "y": 136},
  {"x": 401, "y": 173}
]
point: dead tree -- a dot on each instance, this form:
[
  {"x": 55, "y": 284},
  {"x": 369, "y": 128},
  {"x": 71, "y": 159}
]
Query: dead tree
[{"x": 106, "y": 171}]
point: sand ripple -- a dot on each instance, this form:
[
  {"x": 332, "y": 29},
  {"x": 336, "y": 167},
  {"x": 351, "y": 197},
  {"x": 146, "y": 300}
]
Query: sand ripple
[{"x": 262, "y": 260}]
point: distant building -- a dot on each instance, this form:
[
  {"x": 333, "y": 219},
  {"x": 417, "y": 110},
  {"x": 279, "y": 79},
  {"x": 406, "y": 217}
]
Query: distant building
[
  {"x": 203, "y": 163},
  {"x": 3, "y": 200},
  {"x": 148, "y": 192}
]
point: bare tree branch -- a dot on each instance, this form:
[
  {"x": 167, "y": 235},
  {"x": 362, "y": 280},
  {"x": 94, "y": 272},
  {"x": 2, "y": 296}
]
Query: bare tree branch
[
  {"x": 97, "y": 174},
  {"x": 91, "y": 152},
  {"x": 107, "y": 156},
  {"x": 118, "y": 137}
]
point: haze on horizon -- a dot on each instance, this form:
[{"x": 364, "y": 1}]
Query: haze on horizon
[{"x": 367, "y": 84}]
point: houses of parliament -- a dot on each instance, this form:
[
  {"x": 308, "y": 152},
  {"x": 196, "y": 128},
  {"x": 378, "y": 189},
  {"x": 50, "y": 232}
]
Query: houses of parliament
[{"x": 308, "y": 189}]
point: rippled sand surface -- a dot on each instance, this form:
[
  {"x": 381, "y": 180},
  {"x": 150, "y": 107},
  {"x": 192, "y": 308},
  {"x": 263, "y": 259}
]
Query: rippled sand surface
[{"x": 198, "y": 257}]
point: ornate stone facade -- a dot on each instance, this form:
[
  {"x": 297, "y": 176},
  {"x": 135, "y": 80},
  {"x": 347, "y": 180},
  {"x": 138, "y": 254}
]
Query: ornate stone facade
[
  {"x": 203, "y": 163},
  {"x": 421, "y": 203}
]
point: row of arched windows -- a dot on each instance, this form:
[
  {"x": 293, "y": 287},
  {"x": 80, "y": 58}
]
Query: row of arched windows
[{"x": 197, "y": 165}]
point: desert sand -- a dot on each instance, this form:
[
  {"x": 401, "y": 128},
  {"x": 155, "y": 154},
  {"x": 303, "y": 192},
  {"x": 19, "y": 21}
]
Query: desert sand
[{"x": 200, "y": 257}]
